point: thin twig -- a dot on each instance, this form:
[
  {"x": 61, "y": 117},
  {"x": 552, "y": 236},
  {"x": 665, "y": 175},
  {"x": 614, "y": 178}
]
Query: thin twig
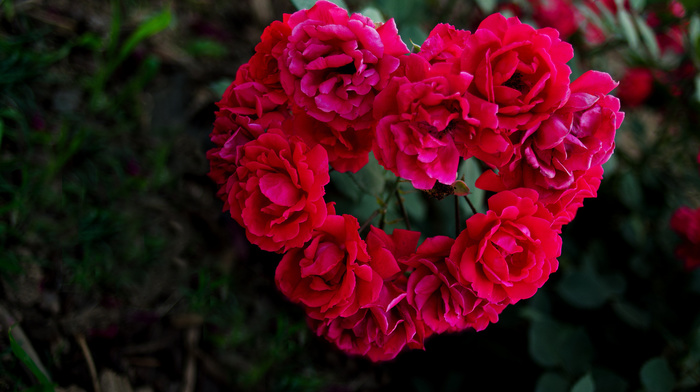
[
  {"x": 470, "y": 204},
  {"x": 458, "y": 220},
  {"x": 369, "y": 220},
  {"x": 407, "y": 223},
  {"x": 190, "y": 373},
  {"x": 80, "y": 338}
]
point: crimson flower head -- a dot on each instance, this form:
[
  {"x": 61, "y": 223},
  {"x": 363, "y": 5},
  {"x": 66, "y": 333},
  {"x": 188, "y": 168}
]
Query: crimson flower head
[
  {"x": 520, "y": 69},
  {"x": 331, "y": 275},
  {"x": 334, "y": 64},
  {"x": 508, "y": 253},
  {"x": 276, "y": 192},
  {"x": 686, "y": 223}
]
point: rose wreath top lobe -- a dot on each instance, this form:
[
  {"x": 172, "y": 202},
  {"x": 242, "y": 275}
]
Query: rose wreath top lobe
[{"x": 324, "y": 88}]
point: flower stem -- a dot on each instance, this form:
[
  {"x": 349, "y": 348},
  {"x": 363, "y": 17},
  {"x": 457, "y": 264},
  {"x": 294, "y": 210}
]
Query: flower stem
[
  {"x": 470, "y": 204},
  {"x": 369, "y": 220},
  {"x": 406, "y": 222},
  {"x": 458, "y": 229}
]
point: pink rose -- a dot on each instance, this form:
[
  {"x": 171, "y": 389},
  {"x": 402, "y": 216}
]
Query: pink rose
[
  {"x": 334, "y": 64},
  {"x": 348, "y": 150},
  {"x": 578, "y": 136},
  {"x": 509, "y": 252},
  {"x": 442, "y": 302},
  {"x": 379, "y": 332},
  {"x": 331, "y": 275},
  {"x": 445, "y": 43},
  {"x": 520, "y": 69},
  {"x": 418, "y": 116},
  {"x": 230, "y": 132},
  {"x": 276, "y": 192},
  {"x": 686, "y": 223}
]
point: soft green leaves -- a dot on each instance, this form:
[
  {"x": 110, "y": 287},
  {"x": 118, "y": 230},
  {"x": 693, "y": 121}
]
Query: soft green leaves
[
  {"x": 306, "y": 4},
  {"x": 656, "y": 375},
  {"x": 584, "y": 384},
  {"x": 45, "y": 383},
  {"x": 374, "y": 14},
  {"x": 552, "y": 382},
  {"x": 649, "y": 37},
  {"x": 554, "y": 344},
  {"x": 150, "y": 27},
  {"x": 586, "y": 289},
  {"x": 488, "y": 6},
  {"x": 628, "y": 29}
]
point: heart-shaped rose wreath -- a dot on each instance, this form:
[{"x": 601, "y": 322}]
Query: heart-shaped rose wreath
[{"x": 325, "y": 88}]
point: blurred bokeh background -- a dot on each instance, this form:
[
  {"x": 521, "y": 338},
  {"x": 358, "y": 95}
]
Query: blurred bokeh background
[{"x": 120, "y": 272}]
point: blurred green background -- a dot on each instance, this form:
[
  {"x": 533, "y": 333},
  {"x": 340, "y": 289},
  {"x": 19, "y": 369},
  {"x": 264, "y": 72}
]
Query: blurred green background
[{"x": 118, "y": 265}]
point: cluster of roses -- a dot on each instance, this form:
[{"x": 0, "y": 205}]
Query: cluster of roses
[{"x": 325, "y": 88}]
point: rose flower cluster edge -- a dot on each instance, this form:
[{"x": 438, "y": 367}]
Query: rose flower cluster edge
[{"x": 325, "y": 88}]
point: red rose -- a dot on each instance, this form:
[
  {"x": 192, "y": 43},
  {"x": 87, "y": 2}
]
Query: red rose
[
  {"x": 379, "y": 332},
  {"x": 445, "y": 43},
  {"x": 559, "y": 14},
  {"x": 230, "y": 133},
  {"x": 578, "y": 136},
  {"x": 276, "y": 192},
  {"x": 442, "y": 302},
  {"x": 331, "y": 275},
  {"x": 575, "y": 138},
  {"x": 418, "y": 116},
  {"x": 348, "y": 150},
  {"x": 520, "y": 69},
  {"x": 686, "y": 223},
  {"x": 334, "y": 64},
  {"x": 635, "y": 86},
  {"x": 509, "y": 252}
]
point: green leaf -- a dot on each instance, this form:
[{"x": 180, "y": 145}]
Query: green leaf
[
  {"x": 206, "y": 48},
  {"x": 697, "y": 87},
  {"x": 551, "y": 382},
  {"x": 630, "y": 191},
  {"x": 631, "y": 314},
  {"x": 576, "y": 351},
  {"x": 584, "y": 384},
  {"x": 374, "y": 14},
  {"x": 656, "y": 375},
  {"x": 694, "y": 34},
  {"x": 607, "y": 381},
  {"x": 306, "y": 4},
  {"x": 638, "y": 5},
  {"x": 583, "y": 289},
  {"x": 413, "y": 34},
  {"x": 150, "y": 27},
  {"x": 22, "y": 355},
  {"x": 649, "y": 37},
  {"x": 545, "y": 338},
  {"x": 114, "y": 29},
  {"x": 628, "y": 29},
  {"x": 370, "y": 179},
  {"x": 487, "y": 6},
  {"x": 220, "y": 86},
  {"x": 413, "y": 201}
]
